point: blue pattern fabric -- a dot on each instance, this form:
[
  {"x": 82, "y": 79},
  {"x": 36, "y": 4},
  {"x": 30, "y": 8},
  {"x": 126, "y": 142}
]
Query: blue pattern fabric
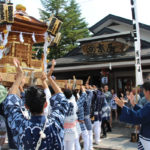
[
  {"x": 87, "y": 108},
  {"x": 80, "y": 103},
  {"x": 100, "y": 103},
  {"x": 105, "y": 111},
  {"x": 113, "y": 103},
  {"x": 142, "y": 101},
  {"x": 22, "y": 96},
  {"x": 88, "y": 123},
  {"x": 138, "y": 116},
  {"x": 87, "y": 103},
  {"x": 25, "y": 111},
  {"x": 80, "y": 114},
  {"x": 26, "y": 132},
  {"x": 108, "y": 97}
]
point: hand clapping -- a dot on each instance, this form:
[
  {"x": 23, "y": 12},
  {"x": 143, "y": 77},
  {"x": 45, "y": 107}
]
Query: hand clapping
[{"x": 119, "y": 102}]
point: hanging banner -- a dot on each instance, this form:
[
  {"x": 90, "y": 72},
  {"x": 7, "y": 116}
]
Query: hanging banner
[{"x": 137, "y": 44}]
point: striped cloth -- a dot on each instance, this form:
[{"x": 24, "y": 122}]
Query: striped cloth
[{"x": 144, "y": 143}]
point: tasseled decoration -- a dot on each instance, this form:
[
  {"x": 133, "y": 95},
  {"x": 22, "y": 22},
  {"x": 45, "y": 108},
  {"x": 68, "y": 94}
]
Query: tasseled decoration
[
  {"x": 33, "y": 38},
  {"x": 42, "y": 135},
  {"x": 110, "y": 66},
  {"x": 1, "y": 37},
  {"x": 8, "y": 29},
  {"x": 1, "y": 53},
  {"x": 21, "y": 38}
]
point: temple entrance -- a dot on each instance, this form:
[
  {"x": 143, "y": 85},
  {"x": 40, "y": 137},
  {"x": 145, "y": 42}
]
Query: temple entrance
[{"x": 125, "y": 83}]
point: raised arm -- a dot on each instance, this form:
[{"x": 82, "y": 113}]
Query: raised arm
[
  {"x": 12, "y": 106},
  {"x": 19, "y": 77},
  {"x": 88, "y": 80},
  {"x": 21, "y": 87},
  {"x": 43, "y": 79},
  {"x": 82, "y": 98},
  {"x": 55, "y": 87},
  {"x": 52, "y": 68},
  {"x": 47, "y": 92},
  {"x": 58, "y": 103},
  {"x": 80, "y": 103}
]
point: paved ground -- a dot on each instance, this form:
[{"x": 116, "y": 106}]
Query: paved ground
[{"x": 118, "y": 139}]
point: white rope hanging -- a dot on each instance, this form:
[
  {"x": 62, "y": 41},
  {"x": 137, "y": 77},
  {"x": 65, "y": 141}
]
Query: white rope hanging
[
  {"x": 1, "y": 37},
  {"x": 33, "y": 38},
  {"x": 5, "y": 41},
  {"x": 25, "y": 33},
  {"x": 21, "y": 38}
]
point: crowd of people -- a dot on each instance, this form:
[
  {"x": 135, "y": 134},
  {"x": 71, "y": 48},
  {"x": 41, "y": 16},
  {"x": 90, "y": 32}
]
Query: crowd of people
[{"x": 51, "y": 118}]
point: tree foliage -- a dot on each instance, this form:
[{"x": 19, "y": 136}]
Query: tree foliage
[{"x": 74, "y": 26}]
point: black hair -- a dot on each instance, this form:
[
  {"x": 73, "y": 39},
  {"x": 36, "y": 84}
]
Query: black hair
[
  {"x": 113, "y": 90},
  {"x": 68, "y": 93},
  {"x": 35, "y": 99},
  {"x": 105, "y": 85},
  {"x": 51, "y": 90},
  {"x": 146, "y": 86}
]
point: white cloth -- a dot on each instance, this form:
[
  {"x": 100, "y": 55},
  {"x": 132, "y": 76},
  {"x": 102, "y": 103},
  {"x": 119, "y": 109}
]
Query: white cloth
[
  {"x": 69, "y": 145},
  {"x": 145, "y": 142},
  {"x": 97, "y": 131},
  {"x": 78, "y": 128},
  {"x": 85, "y": 137},
  {"x": 71, "y": 132},
  {"x": 47, "y": 110},
  {"x": 77, "y": 144},
  {"x": 90, "y": 139},
  {"x": 1, "y": 53}
]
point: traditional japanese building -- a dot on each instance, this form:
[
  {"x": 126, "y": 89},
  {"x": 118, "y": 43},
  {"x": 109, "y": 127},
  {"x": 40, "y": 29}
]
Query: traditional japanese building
[{"x": 108, "y": 54}]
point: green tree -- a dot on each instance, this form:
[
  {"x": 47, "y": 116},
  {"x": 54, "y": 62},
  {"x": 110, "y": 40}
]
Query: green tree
[{"x": 74, "y": 27}]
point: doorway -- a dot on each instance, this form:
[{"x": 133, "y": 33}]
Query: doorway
[{"x": 125, "y": 83}]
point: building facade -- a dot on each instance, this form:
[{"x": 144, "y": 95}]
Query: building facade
[{"x": 108, "y": 56}]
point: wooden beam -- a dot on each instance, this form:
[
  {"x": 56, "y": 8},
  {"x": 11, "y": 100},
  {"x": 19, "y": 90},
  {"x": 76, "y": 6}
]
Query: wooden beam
[{"x": 9, "y": 78}]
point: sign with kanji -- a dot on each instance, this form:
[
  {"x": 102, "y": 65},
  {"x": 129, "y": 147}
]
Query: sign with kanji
[{"x": 103, "y": 47}]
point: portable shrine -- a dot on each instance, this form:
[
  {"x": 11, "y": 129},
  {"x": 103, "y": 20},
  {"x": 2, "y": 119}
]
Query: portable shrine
[{"x": 18, "y": 32}]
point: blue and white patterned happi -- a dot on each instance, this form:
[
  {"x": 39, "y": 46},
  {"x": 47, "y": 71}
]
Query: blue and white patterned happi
[{"x": 26, "y": 132}]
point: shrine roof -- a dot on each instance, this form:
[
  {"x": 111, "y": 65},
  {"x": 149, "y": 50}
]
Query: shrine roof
[
  {"x": 29, "y": 20},
  {"x": 106, "y": 36},
  {"x": 80, "y": 59},
  {"x": 116, "y": 18}
]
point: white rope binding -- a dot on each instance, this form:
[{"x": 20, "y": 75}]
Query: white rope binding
[{"x": 42, "y": 136}]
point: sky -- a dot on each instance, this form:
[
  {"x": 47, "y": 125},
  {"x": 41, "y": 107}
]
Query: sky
[{"x": 95, "y": 10}]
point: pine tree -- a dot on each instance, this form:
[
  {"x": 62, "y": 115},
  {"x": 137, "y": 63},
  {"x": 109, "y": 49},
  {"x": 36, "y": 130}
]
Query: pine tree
[{"x": 74, "y": 27}]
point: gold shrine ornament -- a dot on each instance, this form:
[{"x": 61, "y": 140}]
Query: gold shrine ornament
[
  {"x": 5, "y": 31},
  {"x": 2, "y": 47},
  {"x": 20, "y": 7}
]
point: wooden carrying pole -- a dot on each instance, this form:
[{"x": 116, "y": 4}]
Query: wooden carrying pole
[{"x": 8, "y": 79}]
